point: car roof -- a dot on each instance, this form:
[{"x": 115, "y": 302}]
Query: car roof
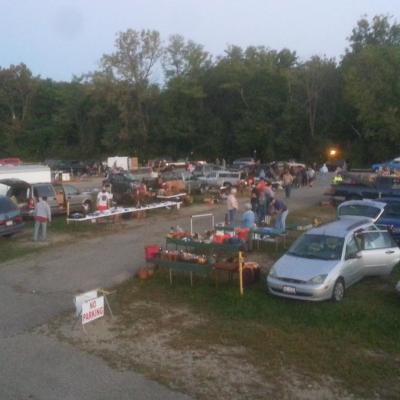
[
  {"x": 13, "y": 182},
  {"x": 390, "y": 199},
  {"x": 364, "y": 202},
  {"x": 340, "y": 227}
]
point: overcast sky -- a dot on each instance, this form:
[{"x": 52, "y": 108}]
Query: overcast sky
[{"x": 60, "y": 38}]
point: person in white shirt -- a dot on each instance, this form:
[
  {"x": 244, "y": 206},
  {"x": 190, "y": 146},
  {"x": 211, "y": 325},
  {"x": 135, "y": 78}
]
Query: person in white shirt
[
  {"x": 42, "y": 215},
  {"x": 233, "y": 206},
  {"x": 103, "y": 200}
]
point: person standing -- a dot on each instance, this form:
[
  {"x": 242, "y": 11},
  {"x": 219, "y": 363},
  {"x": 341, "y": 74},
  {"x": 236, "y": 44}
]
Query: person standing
[
  {"x": 42, "y": 216},
  {"x": 233, "y": 206},
  {"x": 103, "y": 200},
  {"x": 281, "y": 211},
  {"x": 310, "y": 175},
  {"x": 287, "y": 180},
  {"x": 248, "y": 219}
]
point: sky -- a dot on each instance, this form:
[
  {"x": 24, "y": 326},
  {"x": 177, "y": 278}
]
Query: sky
[{"x": 61, "y": 38}]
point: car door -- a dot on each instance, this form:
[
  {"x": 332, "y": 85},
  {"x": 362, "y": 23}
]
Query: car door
[
  {"x": 47, "y": 190},
  {"x": 379, "y": 251},
  {"x": 72, "y": 196},
  {"x": 352, "y": 269}
]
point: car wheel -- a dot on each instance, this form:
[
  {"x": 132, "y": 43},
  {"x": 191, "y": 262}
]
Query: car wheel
[
  {"x": 9, "y": 235},
  {"x": 338, "y": 291},
  {"x": 228, "y": 185}
]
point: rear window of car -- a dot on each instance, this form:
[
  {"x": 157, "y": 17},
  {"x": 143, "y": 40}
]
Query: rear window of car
[
  {"x": 359, "y": 210},
  {"x": 7, "y": 205},
  {"x": 43, "y": 190}
]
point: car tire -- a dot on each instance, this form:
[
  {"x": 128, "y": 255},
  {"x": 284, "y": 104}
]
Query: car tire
[
  {"x": 228, "y": 185},
  {"x": 338, "y": 291}
]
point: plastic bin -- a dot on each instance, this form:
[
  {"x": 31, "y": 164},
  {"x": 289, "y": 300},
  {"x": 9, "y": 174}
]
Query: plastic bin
[
  {"x": 151, "y": 251},
  {"x": 242, "y": 233}
]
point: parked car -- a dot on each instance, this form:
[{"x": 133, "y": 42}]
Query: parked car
[
  {"x": 205, "y": 169},
  {"x": 243, "y": 162},
  {"x": 123, "y": 185},
  {"x": 10, "y": 161},
  {"x": 382, "y": 186},
  {"x": 392, "y": 164},
  {"x": 10, "y": 217},
  {"x": 326, "y": 260},
  {"x": 24, "y": 194},
  {"x": 77, "y": 200},
  {"x": 192, "y": 182},
  {"x": 218, "y": 179},
  {"x": 385, "y": 213}
]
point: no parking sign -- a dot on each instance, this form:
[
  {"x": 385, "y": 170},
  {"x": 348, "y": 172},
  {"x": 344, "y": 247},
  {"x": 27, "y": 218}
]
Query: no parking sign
[{"x": 92, "y": 309}]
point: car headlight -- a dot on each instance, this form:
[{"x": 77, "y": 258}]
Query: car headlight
[
  {"x": 272, "y": 273},
  {"x": 317, "y": 280}
]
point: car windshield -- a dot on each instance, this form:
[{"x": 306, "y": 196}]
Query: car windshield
[
  {"x": 359, "y": 210},
  {"x": 321, "y": 247}
]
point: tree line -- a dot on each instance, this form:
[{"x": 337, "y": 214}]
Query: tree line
[{"x": 248, "y": 99}]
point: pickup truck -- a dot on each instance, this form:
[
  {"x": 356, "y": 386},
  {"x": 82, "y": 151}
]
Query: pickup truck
[
  {"x": 218, "y": 179},
  {"x": 24, "y": 193},
  {"x": 383, "y": 186}
]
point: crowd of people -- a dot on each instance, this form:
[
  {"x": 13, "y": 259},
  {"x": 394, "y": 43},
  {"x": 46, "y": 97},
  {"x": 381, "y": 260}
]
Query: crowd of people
[
  {"x": 262, "y": 207},
  {"x": 264, "y": 204}
]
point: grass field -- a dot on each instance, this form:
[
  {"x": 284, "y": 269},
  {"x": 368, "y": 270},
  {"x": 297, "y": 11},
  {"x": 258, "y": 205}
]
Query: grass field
[{"x": 356, "y": 342}]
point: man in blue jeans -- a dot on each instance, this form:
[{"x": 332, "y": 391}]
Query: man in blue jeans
[{"x": 281, "y": 211}]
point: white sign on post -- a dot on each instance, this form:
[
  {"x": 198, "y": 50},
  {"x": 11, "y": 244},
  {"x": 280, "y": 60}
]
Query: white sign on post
[{"x": 92, "y": 309}]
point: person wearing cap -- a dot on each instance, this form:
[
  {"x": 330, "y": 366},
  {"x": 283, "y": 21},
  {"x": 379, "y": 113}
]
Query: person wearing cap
[
  {"x": 280, "y": 210},
  {"x": 233, "y": 206},
  {"x": 248, "y": 218}
]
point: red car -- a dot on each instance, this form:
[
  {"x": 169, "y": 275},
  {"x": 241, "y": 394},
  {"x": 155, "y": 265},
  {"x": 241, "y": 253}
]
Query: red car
[{"x": 10, "y": 161}]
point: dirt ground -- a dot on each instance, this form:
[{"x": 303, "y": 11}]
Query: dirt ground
[
  {"x": 157, "y": 340},
  {"x": 150, "y": 337}
]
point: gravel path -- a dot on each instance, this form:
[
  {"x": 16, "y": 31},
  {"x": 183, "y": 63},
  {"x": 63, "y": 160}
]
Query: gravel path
[{"x": 35, "y": 289}]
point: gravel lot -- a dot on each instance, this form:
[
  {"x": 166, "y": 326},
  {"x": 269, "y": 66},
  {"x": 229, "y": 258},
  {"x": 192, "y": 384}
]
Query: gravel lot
[{"x": 36, "y": 289}]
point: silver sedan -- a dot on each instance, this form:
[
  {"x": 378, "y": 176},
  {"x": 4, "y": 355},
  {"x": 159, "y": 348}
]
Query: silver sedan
[{"x": 326, "y": 260}]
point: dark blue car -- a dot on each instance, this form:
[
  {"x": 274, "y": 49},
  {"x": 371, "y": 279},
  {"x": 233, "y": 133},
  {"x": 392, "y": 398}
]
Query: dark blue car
[
  {"x": 385, "y": 212},
  {"x": 10, "y": 217},
  {"x": 392, "y": 164},
  {"x": 390, "y": 218}
]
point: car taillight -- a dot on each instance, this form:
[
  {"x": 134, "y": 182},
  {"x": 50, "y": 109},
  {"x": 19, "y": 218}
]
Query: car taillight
[
  {"x": 31, "y": 203},
  {"x": 18, "y": 219},
  {"x": 2, "y": 222}
]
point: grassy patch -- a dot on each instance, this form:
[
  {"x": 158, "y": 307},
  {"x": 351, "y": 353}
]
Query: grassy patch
[
  {"x": 11, "y": 248},
  {"x": 356, "y": 342}
]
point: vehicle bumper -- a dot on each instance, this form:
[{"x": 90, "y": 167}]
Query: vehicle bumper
[
  {"x": 302, "y": 291},
  {"x": 11, "y": 230}
]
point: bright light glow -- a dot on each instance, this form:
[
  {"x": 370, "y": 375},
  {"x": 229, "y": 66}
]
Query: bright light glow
[{"x": 332, "y": 152}]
